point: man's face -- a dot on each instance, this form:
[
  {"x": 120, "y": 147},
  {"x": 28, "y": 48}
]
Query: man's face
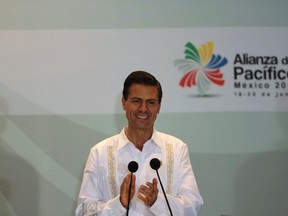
[{"x": 141, "y": 106}]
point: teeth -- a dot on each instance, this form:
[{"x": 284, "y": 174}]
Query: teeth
[{"x": 142, "y": 116}]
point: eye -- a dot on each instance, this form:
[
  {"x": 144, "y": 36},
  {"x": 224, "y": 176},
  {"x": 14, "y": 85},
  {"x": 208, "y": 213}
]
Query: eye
[
  {"x": 152, "y": 102},
  {"x": 135, "y": 101}
]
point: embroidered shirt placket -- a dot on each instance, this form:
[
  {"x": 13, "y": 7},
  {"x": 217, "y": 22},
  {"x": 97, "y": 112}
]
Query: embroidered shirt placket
[{"x": 112, "y": 171}]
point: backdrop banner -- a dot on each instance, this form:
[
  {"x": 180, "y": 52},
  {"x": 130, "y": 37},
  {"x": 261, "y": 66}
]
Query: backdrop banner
[{"x": 201, "y": 69}]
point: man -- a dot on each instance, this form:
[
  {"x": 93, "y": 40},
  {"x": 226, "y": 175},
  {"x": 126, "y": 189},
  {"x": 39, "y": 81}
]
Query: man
[{"x": 106, "y": 177}]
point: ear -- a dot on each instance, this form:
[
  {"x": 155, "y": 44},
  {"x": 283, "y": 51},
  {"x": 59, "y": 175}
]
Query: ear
[
  {"x": 159, "y": 108},
  {"x": 123, "y": 103}
]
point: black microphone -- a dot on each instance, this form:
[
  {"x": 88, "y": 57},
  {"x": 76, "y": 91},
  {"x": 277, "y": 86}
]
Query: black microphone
[
  {"x": 155, "y": 165},
  {"x": 132, "y": 167}
]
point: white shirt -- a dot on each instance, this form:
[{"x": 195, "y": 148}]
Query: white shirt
[{"x": 107, "y": 165}]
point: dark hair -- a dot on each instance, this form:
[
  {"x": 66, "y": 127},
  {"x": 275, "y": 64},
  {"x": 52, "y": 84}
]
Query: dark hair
[{"x": 141, "y": 77}]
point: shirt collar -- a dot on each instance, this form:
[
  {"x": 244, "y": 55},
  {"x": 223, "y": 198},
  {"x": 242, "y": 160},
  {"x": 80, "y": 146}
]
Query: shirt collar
[{"x": 123, "y": 140}]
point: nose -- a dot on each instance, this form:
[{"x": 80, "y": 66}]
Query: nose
[{"x": 143, "y": 106}]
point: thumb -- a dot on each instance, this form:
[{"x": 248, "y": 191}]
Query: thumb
[{"x": 155, "y": 181}]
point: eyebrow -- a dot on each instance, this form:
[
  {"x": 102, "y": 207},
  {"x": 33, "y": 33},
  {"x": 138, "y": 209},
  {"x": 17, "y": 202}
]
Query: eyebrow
[{"x": 154, "y": 99}]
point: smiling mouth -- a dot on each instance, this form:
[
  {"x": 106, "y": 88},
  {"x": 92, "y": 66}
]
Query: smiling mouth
[{"x": 142, "y": 116}]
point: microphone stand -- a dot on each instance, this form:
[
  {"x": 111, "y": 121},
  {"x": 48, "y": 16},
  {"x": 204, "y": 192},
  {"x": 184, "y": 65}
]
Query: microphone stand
[
  {"x": 132, "y": 167},
  {"x": 129, "y": 195},
  {"x": 164, "y": 193}
]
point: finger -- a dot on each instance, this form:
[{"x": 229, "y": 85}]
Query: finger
[
  {"x": 152, "y": 186},
  {"x": 126, "y": 180},
  {"x": 125, "y": 186},
  {"x": 143, "y": 197},
  {"x": 131, "y": 180},
  {"x": 148, "y": 200},
  {"x": 149, "y": 184},
  {"x": 155, "y": 181},
  {"x": 144, "y": 190},
  {"x": 145, "y": 193}
]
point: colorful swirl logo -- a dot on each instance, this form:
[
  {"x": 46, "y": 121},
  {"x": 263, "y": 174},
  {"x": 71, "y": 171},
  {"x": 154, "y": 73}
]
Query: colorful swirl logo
[{"x": 201, "y": 67}]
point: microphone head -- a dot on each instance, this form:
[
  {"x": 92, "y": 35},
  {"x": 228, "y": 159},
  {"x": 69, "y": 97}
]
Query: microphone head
[
  {"x": 133, "y": 166},
  {"x": 155, "y": 163}
]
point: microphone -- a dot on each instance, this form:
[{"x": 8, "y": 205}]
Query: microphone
[
  {"x": 132, "y": 167},
  {"x": 155, "y": 165}
]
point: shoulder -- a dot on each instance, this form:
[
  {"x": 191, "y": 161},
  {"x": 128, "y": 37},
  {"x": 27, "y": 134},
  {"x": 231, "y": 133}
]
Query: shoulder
[
  {"x": 173, "y": 145},
  {"x": 165, "y": 139},
  {"x": 103, "y": 145}
]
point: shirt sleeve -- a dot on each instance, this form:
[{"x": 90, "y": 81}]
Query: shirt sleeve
[{"x": 93, "y": 189}]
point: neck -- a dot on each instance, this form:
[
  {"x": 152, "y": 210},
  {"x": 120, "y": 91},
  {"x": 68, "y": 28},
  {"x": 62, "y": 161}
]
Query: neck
[{"x": 138, "y": 137}]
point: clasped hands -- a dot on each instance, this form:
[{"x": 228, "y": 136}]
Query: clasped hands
[{"x": 147, "y": 193}]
